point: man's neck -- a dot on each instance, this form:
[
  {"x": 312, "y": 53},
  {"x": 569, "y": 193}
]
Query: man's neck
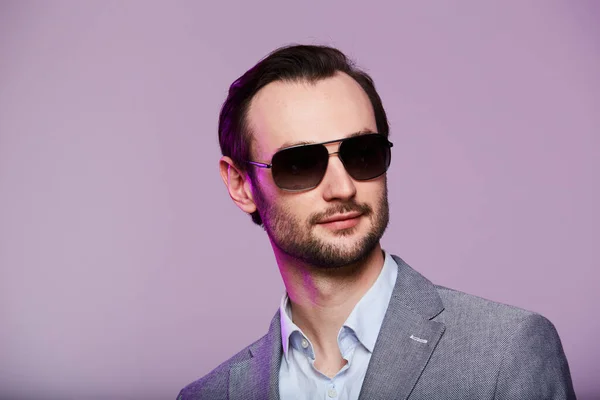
[{"x": 322, "y": 299}]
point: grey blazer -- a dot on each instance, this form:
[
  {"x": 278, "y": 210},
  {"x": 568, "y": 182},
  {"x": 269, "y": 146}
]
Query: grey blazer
[{"x": 434, "y": 343}]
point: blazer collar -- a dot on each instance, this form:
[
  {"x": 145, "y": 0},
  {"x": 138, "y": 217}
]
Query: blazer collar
[
  {"x": 258, "y": 375},
  {"x": 407, "y": 338}
]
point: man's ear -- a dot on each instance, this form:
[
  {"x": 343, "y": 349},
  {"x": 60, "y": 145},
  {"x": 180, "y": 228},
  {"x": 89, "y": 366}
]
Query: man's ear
[{"x": 237, "y": 185}]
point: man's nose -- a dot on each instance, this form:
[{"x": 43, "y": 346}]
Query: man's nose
[{"x": 337, "y": 184}]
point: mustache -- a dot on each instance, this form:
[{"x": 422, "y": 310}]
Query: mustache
[{"x": 340, "y": 208}]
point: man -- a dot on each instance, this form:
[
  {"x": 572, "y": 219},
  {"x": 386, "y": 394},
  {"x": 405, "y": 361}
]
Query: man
[{"x": 305, "y": 149}]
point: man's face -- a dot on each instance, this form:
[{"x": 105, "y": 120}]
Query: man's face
[{"x": 284, "y": 114}]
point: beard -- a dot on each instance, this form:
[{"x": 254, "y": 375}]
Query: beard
[{"x": 297, "y": 238}]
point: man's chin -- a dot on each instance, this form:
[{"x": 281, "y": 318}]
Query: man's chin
[
  {"x": 342, "y": 259},
  {"x": 341, "y": 252}
]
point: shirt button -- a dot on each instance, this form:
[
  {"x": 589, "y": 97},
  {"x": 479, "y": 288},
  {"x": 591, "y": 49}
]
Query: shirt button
[
  {"x": 332, "y": 393},
  {"x": 304, "y": 343}
]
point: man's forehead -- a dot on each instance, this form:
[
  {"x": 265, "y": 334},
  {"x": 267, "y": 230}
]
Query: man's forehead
[{"x": 283, "y": 114}]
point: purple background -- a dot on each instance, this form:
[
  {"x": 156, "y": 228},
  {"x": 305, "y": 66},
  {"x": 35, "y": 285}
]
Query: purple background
[{"x": 127, "y": 272}]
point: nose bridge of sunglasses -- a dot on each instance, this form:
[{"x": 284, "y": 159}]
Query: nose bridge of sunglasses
[
  {"x": 336, "y": 153},
  {"x": 333, "y": 145},
  {"x": 333, "y": 153}
]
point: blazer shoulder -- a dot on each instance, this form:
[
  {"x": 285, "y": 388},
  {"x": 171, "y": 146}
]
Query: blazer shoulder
[
  {"x": 467, "y": 311},
  {"x": 516, "y": 351},
  {"x": 215, "y": 384},
  {"x": 467, "y": 306}
]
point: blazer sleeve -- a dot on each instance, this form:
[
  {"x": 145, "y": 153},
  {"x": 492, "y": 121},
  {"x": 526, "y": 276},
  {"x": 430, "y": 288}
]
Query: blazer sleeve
[{"x": 535, "y": 366}]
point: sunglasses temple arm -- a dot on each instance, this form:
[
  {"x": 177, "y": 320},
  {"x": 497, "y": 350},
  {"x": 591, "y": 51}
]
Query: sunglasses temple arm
[{"x": 259, "y": 164}]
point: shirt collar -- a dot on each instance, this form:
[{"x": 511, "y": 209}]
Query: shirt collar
[
  {"x": 287, "y": 325},
  {"x": 366, "y": 317}
]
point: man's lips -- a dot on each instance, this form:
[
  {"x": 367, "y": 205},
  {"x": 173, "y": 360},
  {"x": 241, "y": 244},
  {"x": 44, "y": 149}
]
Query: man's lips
[{"x": 340, "y": 217}]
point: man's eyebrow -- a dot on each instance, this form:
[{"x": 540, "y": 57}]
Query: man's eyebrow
[{"x": 291, "y": 144}]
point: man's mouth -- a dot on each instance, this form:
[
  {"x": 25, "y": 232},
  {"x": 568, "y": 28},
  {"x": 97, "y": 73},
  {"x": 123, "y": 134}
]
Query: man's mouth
[
  {"x": 341, "y": 221},
  {"x": 340, "y": 217}
]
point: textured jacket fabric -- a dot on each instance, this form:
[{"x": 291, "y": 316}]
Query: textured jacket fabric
[{"x": 435, "y": 343}]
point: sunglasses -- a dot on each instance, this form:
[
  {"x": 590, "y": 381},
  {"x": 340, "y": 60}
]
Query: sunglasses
[{"x": 303, "y": 167}]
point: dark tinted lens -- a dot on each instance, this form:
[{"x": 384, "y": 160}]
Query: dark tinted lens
[
  {"x": 299, "y": 168},
  {"x": 365, "y": 157}
]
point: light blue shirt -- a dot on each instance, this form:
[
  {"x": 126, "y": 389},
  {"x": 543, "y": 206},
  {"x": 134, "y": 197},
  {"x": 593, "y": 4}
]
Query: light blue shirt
[{"x": 298, "y": 377}]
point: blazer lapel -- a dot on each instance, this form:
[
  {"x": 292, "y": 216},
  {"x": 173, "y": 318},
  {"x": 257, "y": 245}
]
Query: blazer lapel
[
  {"x": 407, "y": 337},
  {"x": 257, "y": 378}
]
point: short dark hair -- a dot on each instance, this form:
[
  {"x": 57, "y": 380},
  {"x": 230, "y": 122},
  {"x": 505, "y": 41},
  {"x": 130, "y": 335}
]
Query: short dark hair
[{"x": 295, "y": 63}]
